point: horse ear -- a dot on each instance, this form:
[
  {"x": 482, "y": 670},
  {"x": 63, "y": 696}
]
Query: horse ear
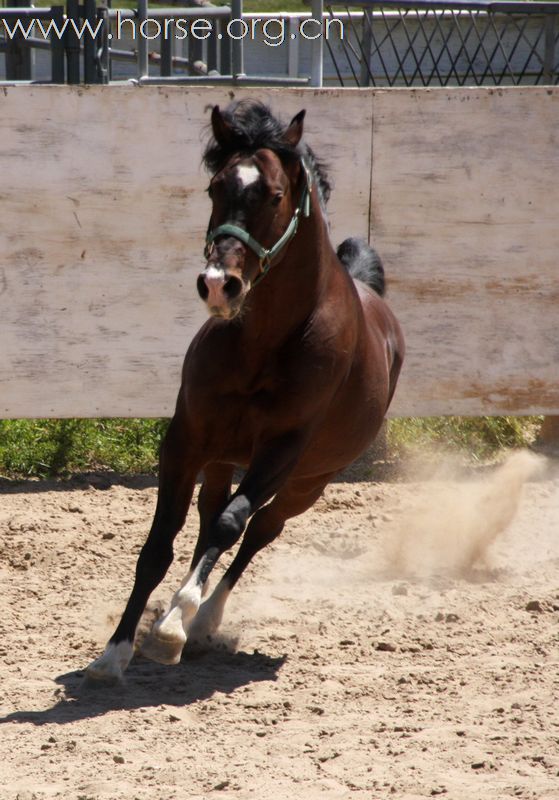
[
  {"x": 295, "y": 130},
  {"x": 221, "y": 128}
]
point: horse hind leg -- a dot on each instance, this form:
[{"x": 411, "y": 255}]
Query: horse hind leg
[
  {"x": 266, "y": 525},
  {"x": 168, "y": 635}
]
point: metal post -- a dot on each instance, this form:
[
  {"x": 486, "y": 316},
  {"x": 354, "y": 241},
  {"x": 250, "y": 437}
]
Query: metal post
[
  {"x": 365, "y": 79},
  {"x": 89, "y": 66},
  {"x": 212, "y": 58},
  {"x": 293, "y": 47},
  {"x": 166, "y": 67},
  {"x": 225, "y": 55},
  {"x": 58, "y": 72},
  {"x": 143, "y": 43},
  {"x": 237, "y": 61},
  {"x": 72, "y": 42},
  {"x": 18, "y": 53},
  {"x": 549, "y": 52},
  {"x": 317, "y": 10},
  {"x": 102, "y": 55}
]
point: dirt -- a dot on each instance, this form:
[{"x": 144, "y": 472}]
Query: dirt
[{"x": 368, "y": 653}]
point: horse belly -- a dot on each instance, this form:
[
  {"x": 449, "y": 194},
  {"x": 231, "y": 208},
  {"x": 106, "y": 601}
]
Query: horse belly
[{"x": 350, "y": 426}]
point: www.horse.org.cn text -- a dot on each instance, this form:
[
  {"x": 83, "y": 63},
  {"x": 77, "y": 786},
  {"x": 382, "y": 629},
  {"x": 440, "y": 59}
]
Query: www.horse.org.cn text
[{"x": 272, "y": 31}]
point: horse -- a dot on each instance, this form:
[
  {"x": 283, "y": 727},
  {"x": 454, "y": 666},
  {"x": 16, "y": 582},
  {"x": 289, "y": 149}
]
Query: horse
[{"x": 290, "y": 377}]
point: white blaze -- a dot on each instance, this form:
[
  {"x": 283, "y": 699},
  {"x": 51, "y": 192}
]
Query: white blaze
[{"x": 248, "y": 174}]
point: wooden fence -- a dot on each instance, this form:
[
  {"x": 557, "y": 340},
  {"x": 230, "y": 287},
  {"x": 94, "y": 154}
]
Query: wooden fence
[{"x": 103, "y": 216}]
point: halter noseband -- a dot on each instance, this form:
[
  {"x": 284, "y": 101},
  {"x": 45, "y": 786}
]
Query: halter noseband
[{"x": 265, "y": 255}]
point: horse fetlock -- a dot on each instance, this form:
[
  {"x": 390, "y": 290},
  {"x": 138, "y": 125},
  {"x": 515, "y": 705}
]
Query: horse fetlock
[
  {"x": 185, "y": 605},
  {"x": 208, "y": 619},
  {"x": 205, "y": 623}
]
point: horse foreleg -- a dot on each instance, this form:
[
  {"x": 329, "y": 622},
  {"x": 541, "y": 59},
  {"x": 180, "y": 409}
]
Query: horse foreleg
[
  {"x": 176, "y": 485},
  {"x": 169, "y": 633},
  {"x": 265, "y": 526}
]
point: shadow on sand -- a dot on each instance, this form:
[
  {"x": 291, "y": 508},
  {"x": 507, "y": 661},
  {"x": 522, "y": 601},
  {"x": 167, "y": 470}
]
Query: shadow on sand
[
  {"x": 199, "y": 676},
  {"x": 78, "y": 482}
]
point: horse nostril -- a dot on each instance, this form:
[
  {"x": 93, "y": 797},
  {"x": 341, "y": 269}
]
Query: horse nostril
[
  {"x": 203, "y": 290},
  {"x": 232, "y": 287}
]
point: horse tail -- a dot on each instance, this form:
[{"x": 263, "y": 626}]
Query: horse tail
[{"x": 363, "y": 263}]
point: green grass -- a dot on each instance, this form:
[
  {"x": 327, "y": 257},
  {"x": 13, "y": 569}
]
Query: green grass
[
  {"x": 58, "y": 448},
  {"x": 47, "y": 448},
  {"x": 478, "y": 438}
]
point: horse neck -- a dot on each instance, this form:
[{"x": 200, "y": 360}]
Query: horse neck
[{"x": 290, "y": 292}]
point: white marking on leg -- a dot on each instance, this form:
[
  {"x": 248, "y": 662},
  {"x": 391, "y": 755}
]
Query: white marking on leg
[
  {"x": 184, "y": 605},
  {"x": 248, "y": 174},
  {"x": 187, "y": 578},
  {"x": 210, "y": 614},
  {"x": 168, "y": 635},
  {"x": 110, "y": 666}
]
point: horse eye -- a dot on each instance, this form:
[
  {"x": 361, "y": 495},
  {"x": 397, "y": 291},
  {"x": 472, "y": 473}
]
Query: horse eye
[{"x": 277, "y": 198}]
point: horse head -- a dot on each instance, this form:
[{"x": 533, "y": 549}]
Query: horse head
[{"x": 259, "y": 188}]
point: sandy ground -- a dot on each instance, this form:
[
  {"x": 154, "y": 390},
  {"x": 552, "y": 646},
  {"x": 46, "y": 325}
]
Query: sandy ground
[{"x": 399, "y": 641}]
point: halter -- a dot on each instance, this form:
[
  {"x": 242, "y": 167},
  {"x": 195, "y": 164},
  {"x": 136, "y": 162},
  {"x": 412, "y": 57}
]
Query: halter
[{"x": 265, "y": 255}]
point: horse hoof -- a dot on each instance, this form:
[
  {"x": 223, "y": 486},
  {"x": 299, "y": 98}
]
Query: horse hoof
[
  {"x": 203, "y": 628},
  {"x": 163, "y": 649},
  {"x": 108, "y": 669},
  {"x": 95, "y": 676}
]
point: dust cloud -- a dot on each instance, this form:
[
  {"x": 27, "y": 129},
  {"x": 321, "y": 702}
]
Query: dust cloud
[
  {"x": 439, "y": 522},
  {"x": 451, "y": 531}
]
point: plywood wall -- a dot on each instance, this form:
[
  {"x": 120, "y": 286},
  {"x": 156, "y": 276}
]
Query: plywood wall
[
  {"x": 103, "y": 215},
  {"x": 465, "y": 210}
]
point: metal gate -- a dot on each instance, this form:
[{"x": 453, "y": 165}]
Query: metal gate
[
  {"x": 393, "y": 43},
  {"x": 426, "y": 43}
]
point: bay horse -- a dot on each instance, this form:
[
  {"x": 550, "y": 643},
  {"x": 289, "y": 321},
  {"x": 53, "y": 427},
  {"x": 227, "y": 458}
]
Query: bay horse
[{"x": 290, "y": 377}]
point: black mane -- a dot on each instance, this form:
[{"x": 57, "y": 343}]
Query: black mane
[{"x": 255, "y": 127}]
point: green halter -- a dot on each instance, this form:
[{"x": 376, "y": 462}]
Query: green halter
[{"x": 265, "y": 255}]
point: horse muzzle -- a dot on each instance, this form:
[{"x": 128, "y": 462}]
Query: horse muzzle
[{"x": 222, "y": 292}]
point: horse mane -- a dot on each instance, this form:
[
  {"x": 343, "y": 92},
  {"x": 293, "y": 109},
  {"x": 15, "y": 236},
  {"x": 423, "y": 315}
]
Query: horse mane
[{"x": 255, "y": 127}]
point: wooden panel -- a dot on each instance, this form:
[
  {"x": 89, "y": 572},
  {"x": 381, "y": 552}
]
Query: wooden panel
[
  {"x": 465, "y": 199},
  {"x": 102, "y": 224},
  {"x": 103, "y": 216}
]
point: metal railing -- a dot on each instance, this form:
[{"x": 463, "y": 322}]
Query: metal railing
[
  {"x": 85, "y": 43},
  {"x": 90, "y": 57},
  {"x": 426, "y": 43},
  {"x": 18, "y": 48},
  {"x": 393, "y": 43}
]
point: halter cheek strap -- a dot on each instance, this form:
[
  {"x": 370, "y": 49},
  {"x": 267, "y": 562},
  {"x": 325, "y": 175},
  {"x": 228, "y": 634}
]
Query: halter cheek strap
[{"x": 265, "y": 255}]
